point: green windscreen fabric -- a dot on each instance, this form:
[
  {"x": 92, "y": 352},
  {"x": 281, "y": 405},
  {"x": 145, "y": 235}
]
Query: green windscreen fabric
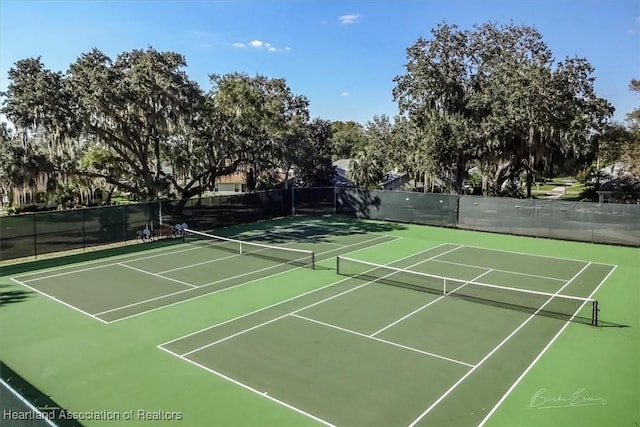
[
  {"x": 58, "y": 231},
  {"x": 582, "y": 221},
  {"x": 319, "y": 200},
  {"x": 17, "y": 236},
  {"x": 418, "y": 208}
]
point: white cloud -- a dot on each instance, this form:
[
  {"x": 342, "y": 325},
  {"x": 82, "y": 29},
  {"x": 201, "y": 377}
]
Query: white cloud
[
  {"x": 259, "y": 44},
  {"x": 208, "y": 45},
  {"x": 632, "y": 31},
  {"x": 349, "y": 19},
  {"x": 344, "y": 94}
]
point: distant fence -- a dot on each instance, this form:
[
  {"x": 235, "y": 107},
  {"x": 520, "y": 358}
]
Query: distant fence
[
  {"x": 30, "y": 235},
  {"x": 582, "y": 221}
]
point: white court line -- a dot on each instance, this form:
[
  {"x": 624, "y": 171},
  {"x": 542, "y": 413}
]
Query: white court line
[
  {"x": 536, "y": 255},
  {"x": 245, "y": 386},
  {"x": 103, "y": 260},
  {"x": 157, "y": 275},
  {"x": 349, "y": 331},
  {"x": 57, "y": 300},
  {"x": 300, "y": 239},
  {"x": 226, "y": 279},
  {"x": 317, "y": 302},
  {"x": 225, "y": 289},
  {"x": 427, "y": 305},
  {"x": 18, "y": 396},
  {"x": 211, "y": 260},
  {"x": 544, "y": 350},
  {"x": 105, "y": 265},
  {"x": 502, "y": 271},
  {"x": 198, "y": 263},
  {"x": 496, "y": 348}
]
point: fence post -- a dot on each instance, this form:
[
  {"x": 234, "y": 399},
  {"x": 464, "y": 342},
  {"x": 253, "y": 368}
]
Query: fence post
[
  {"x": 293, "y": 203},
  {"x": 335, "y": 200},
  {"x": 82, "y": 228},
  {"x": 124, "y": 223},
  {"x": 35, "y": 242}
]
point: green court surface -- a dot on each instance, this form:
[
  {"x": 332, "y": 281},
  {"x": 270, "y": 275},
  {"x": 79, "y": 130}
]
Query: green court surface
[{"x": 422, "y": 326}]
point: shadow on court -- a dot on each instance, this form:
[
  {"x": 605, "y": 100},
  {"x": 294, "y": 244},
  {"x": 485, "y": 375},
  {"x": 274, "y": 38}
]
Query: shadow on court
[
  {"x": 13, "y": 296},
  {"x": 9, "y": 402}
]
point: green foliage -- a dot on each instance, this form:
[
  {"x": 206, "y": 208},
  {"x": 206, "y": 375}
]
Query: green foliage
[
  {"x": 494, "y": 96},
  {"x": 347, "y": 139},
  {"x": 631, "y": 149}
]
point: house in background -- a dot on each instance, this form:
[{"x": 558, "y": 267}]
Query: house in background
[
  {"x": 341, "y": 177},
  {"x": 396, "y": 181},
  {"x": 619, "y": 190},
  {"x": 233, "y": 183}
]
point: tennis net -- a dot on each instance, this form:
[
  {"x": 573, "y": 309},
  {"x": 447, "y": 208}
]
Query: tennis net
[
  {"x": 565, "y": 307},
  {"x": 298, "y": 257}
]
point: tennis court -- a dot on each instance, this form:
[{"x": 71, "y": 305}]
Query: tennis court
[
  {"x": 110, "y": 291},
  {"x": 407, "y": 355},
  {"x": 376, "y": 328}
]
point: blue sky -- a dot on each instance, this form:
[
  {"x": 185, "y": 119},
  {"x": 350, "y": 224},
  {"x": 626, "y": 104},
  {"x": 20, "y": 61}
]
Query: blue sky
[{"x": 342, "y": 55}]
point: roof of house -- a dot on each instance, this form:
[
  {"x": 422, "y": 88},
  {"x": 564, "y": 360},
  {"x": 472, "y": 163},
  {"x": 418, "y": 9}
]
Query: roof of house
[
  {"x": 233, "y": 178},
  {"x": 618, "y": 184},
  {"x": 393, "y": 176}
]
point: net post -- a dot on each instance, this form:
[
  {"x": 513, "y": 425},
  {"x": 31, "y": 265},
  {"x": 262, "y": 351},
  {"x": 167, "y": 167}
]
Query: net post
[
  {"x": 240, "y": 248},
  {"x": 313, "y": 260},
  {"x": 594, "y": 314},
  {"x": 444, "y": 286},
  {"x": 337, "y": 265}
]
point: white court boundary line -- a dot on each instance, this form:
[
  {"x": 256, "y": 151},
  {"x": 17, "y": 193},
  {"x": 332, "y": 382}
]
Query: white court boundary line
[
  {"x": 501, "y": 271},
  {"x": 427, "y": 305},
  {"x": 395, "y": 344},
  {"x": 247, "y": 387},
  {"x": 26, "y": 402},
  {"x": 96, "y": 261},
  {"x": 211, "y": 260},
  {"x": 318, "y": 302},
  {"x": 496, "y": 348},
  {"x": 536, "y": 255},
  {"x": 542, "y": 352},
  {"x": 58, "y": 300},
  {"x": 230, "y": 287}
]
